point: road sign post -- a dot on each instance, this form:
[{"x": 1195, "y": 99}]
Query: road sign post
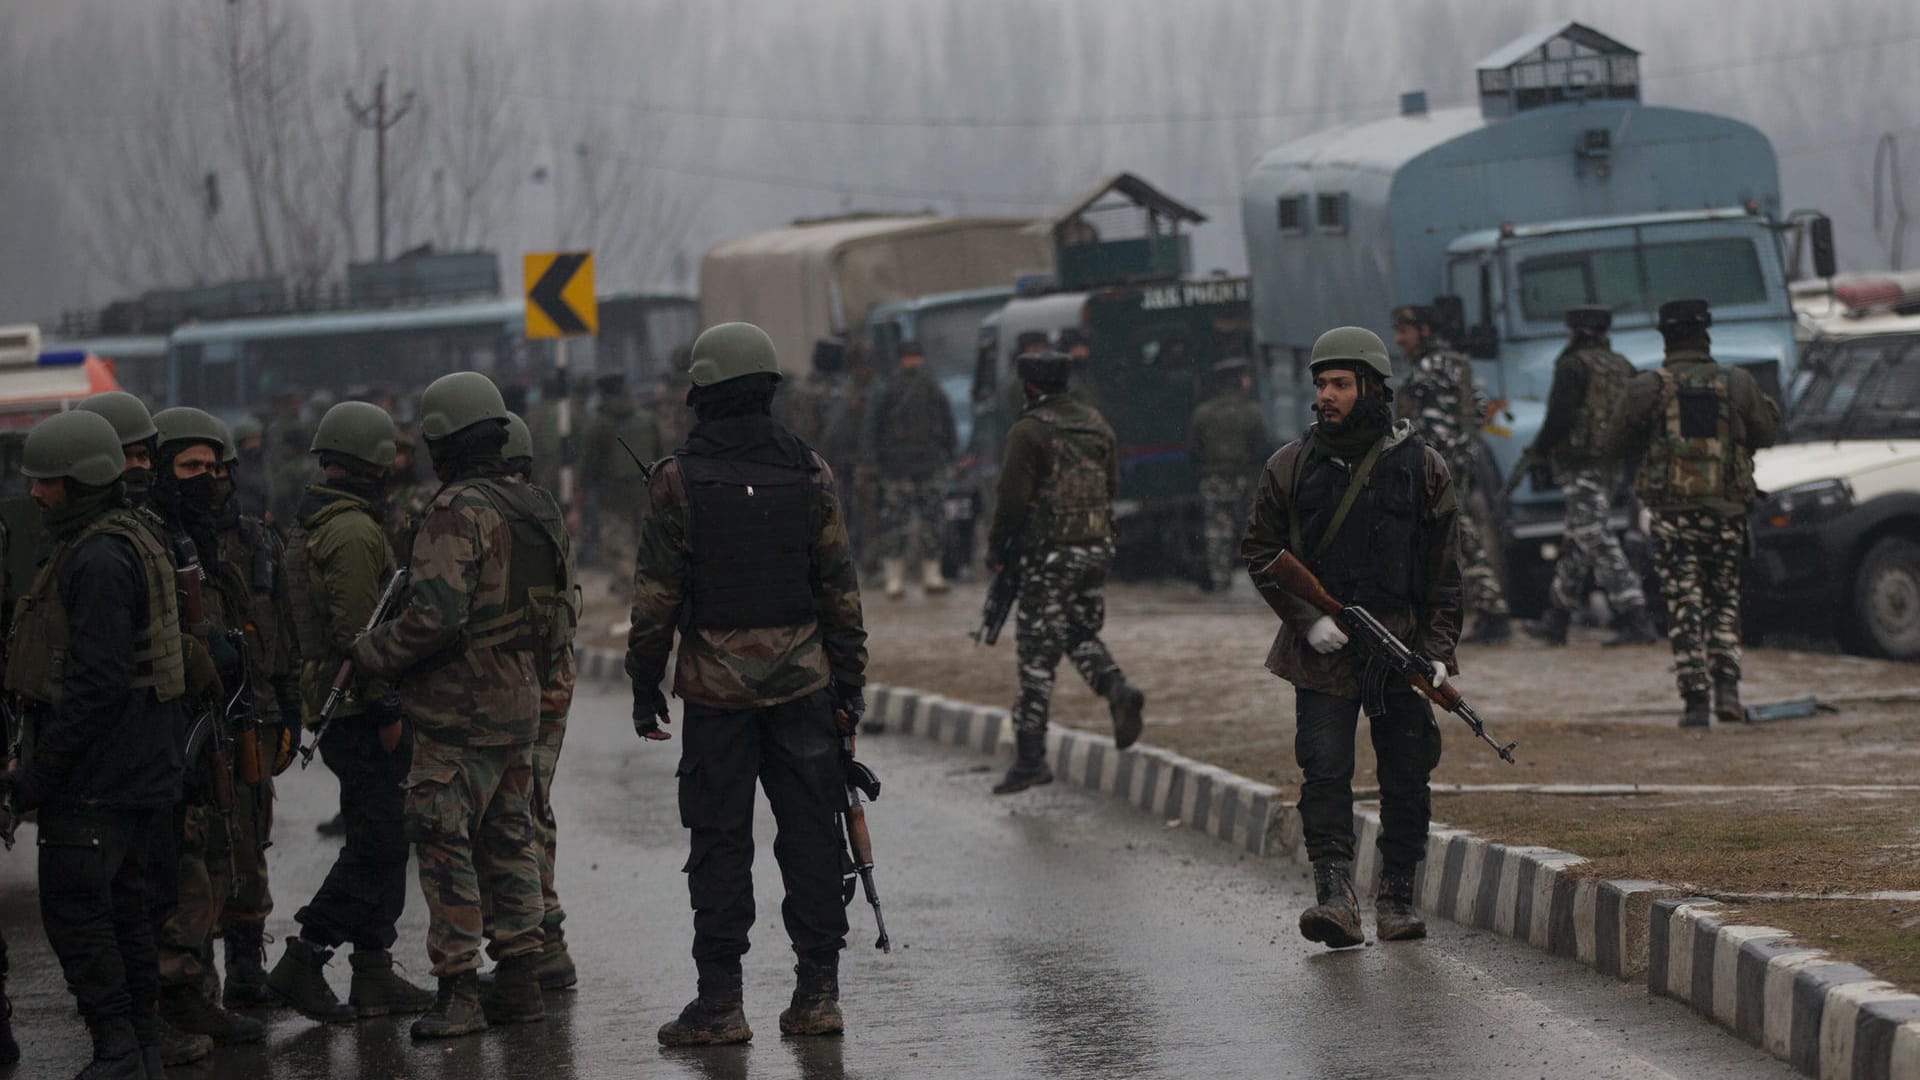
[{"x": 560, "y": 305}]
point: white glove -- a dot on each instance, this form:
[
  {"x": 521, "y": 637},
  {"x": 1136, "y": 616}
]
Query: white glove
[
  {"x": 1439, "y": 671},
  {"x": 1325, "y": 635}
]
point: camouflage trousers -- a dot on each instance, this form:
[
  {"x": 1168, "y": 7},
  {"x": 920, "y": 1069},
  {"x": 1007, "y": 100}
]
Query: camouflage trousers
[
  {"x": 1061, "y": 613},
  {"x": 1224, "y": 501},
  {"x": 252, "y": 899},
  {"x": 1480, "y": 589},
  {"x": 1699, "y": 555},
  {"x": 546, "y": 760},
  {"x": 205, "y": 871},
  {"x": 1589, "y": 547},
  {"x": 469, "y": 816},
  {"x": 901, "y": 500}
]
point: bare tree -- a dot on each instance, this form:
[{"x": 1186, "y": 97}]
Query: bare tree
[{"x": 474, "y": 134}]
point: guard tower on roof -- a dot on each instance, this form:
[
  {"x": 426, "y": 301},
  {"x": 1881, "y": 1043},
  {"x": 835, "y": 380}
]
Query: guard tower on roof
[
  {"x": 1565, "y": 62},
  {"x": 1122, "y": 231}
]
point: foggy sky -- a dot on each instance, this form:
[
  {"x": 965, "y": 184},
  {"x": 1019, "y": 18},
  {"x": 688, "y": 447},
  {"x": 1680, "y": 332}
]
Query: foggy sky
[{"x": 744, "y": 114}]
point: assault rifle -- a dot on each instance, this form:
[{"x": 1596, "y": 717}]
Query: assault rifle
[
  {"x": 1376, "y": 640},
  {"x": 1002, "y": 592},
  {"x": 861, "y": 780},
  {"x": 337, "y": 693}
]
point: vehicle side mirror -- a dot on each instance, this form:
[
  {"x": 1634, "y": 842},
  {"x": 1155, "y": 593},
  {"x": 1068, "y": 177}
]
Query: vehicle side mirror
[
  {"x": 1480, "y": 342},
  {"x": 1820, "y": 236}
]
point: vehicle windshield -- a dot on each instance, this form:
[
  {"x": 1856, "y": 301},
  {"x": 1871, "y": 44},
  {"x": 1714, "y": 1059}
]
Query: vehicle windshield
[
  {"x": 1867, "y": 387},
  {"x": 1638, "y": 279},
  {"x": 950, "y": 335}
]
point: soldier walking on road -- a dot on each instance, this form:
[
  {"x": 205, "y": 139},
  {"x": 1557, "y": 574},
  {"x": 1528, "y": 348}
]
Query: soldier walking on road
[
  {"x": 337, "y": 562},
  {"x": 1229, "y": 441},
  {"x": 1055, "y": 515},
  {"x": 745, "y": 552},
  {"x": 1439, "y": 397},
  {"x": 910, "y": 438},
  {"x": 1695, "y": 425},
  {"x": 1589, "y": 385},
  {"x": 1368, "y": 506},
  {"x": 95, "y": 659},
  {"x": 470, "y": 652}
]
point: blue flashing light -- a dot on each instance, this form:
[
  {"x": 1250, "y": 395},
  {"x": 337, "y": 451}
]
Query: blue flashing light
[{"x": 63, "y": 358}]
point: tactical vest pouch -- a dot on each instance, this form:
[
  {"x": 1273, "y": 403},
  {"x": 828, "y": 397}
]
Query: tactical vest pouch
[
  {"x": 1073, "y": 494},
  {"x": 1608, "y": 374},
  {"x": 1694, "y": 458},
  {"x": 752, "y": 556},
  {"x": 537, "y": 581}
]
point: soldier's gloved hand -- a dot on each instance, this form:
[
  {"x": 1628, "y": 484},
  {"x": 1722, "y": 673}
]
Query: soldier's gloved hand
[
  {"x": 649, "y": 713},
  {"x": 849, "y": 705},
  {"x": 1440, "y": 674},
  {"x": 1325, "y": 636},
  {"x": 285, "y": 742},
  {"x": 226, "y": 656}
]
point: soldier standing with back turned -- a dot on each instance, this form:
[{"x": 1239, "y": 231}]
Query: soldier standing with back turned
[
  {"x": 1589, "y": 384},
  {"x": 1697, "y": 424},
  {"x": 1228, "y": 438},
  {"x": 910, "y": 438},
  {"x": 1367, "y": 505},
  {"x": 744, "y": 551},
  {"x": 1058, "y": 477},
  {"x": 1438, "y": 396},
  {"x": 470, "y": 652}
]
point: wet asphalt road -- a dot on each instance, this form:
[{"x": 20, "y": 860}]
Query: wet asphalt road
[{"x": 1050, "y": 934}]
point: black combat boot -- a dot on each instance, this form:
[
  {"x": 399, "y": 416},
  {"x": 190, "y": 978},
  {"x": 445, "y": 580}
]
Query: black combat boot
[
  {"x": 171, "y": 1045},
  {"x": 715, "y": 1018},
  {"x": 9, "y": 1047},
  {"x": 1726, "y": 700},
  {"x": 1334, "y": 921},
  {"x": 1552, "y": 627},
  {"x": 1698, "y": 712},
  {"x": 554, "y": 965},
  {"x": 116, "y": 1051},
  {"x": 186, "y": 1008},
  {"x": 1490, "y": 630},
  {"x": 333, "y": 826},
  {"x": 246, "y": 967},
  {"x": 513, "y": 996},
  {"x": 299, "y": 981},
  {"x": 815, "y": 1009},
  {"x": 456, "y": 1009},
  {"x": 377, "y": 991},
  {"x": 1124, "y": 704},
  {"x": 1029, "y": 764},
  {"x": 1633, "y": 627},
  {"x": 1393, "y": 916}
]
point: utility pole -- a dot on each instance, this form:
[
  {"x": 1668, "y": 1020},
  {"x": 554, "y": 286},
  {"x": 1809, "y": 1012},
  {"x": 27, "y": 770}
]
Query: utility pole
[{"x": 376, "y": 118}]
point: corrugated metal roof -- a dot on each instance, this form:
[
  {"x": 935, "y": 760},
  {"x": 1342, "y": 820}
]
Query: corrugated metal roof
[
  {"x": 1377, "y": 146},
  {"x": 1526, "y": 44},
  {"x": 353, "y": 322}
]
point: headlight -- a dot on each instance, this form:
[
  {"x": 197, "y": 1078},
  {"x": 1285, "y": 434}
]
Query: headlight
[{"x": 1807, "y": 504}]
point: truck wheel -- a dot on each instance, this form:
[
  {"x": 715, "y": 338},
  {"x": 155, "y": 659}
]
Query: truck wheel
[{"x": 1886, "y": 599}]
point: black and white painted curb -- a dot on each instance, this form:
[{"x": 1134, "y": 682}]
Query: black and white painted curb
[{"x": 1829, "y": 1019}]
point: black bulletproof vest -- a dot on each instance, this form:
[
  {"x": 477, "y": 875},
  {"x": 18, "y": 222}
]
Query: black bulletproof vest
[
  {"x": 1379, "y": 557},
  {"x": 752, "y": 564}
]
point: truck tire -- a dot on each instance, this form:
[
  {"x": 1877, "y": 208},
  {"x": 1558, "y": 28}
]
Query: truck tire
[{"x": 1886, "y": 600}]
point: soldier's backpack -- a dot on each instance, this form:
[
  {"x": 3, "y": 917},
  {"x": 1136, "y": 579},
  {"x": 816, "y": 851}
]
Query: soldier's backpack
[{"x": 1695, "y": 454}]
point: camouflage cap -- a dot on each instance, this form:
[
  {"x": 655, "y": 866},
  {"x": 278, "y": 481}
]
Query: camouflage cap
[
  {"x": 127, "y": 414},
  {"x": 1351, "y": 346},
  {"x": 81, "y": 445},
  {"x": 1685, "y": 313},
  {"x": 185, "y": 424},
  {"x": 731, "y": 351}
]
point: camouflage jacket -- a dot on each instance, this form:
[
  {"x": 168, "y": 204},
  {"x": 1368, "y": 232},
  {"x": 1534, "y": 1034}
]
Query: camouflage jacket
[
  {"x": 406, "y": 504},
  {"x": 1752, "y": 423},
  {"x": 909, "y": 430},
  {"x": 751, "y": 668},
  {"x": 457, "y": 692},
  {"x": 1432, "y": 629},
  {"x": 1227, "y": 435},
  {"x": 556, "y": 697},
  {"x": 348, "y": 563},
  {"x": 1437, "y": 395}
]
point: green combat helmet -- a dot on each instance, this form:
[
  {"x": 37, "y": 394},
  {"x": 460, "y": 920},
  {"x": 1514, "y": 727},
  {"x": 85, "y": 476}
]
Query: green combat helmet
[
  {"x": 80, "y": 445},
  {"x": 360, "y": 430},
  {"x": 248, "y": 427},
  {"x": 519, "y": 439},
  {"x": 731, "y": 350},
  {"x": 185, "y": 424},
  {"x": 232, "y": 456},
  {"x": 1351, "y": 345},
  {"x": 128, "y": 414},
  {"x": 453, "y": 403}
]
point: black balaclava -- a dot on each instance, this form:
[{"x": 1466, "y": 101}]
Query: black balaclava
[
  {"x": 194, "y": 504},
  {"x": 139, "y": 482},
  {"x": 474, "y": 450},
  {"x": 82, "y": 506}
]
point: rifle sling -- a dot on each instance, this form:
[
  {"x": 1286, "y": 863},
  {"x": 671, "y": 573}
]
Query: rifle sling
[{"x": 1340, "y": 512}]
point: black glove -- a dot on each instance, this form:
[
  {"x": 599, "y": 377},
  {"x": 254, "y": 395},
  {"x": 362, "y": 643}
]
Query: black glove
[
  {"x": 649, "y": 711},
  {"x": 226, "y": 655},
  {"x": 848, "y": 706}
]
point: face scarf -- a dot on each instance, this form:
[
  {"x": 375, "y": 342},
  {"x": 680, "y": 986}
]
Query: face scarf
[
  {"x": 1353, "y": 437},
  {"x": 81, "y": 506}
]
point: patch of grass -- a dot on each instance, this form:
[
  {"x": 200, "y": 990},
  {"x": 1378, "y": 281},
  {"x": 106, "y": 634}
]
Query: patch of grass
[{"x": 1881, "y": 936}]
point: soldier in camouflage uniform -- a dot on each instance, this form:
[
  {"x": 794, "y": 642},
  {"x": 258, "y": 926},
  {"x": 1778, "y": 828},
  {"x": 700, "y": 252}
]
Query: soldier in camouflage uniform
[
  {"x": 1589, "y": 383},
  {"x": 743, "y": 550},
  {"x": 611, "y": 481},
  {"x": 1437, "y": 394},
  {"x": 554, "y": 968},
  {"x": 1695, "y": 425},
  {"x": 845, "y": 451},
  {"x": 1228, "y": 438},
  {"x": 1058, "y": 476},
  {"x": 338, "y": 562},
  {"x": 909, "y": 438},
  {"x": 807, "y": 408},
  {"x": 470, "y": 653},
  {"x": 409, "y": 492},
  {"x": 1368, "y": 507}
]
